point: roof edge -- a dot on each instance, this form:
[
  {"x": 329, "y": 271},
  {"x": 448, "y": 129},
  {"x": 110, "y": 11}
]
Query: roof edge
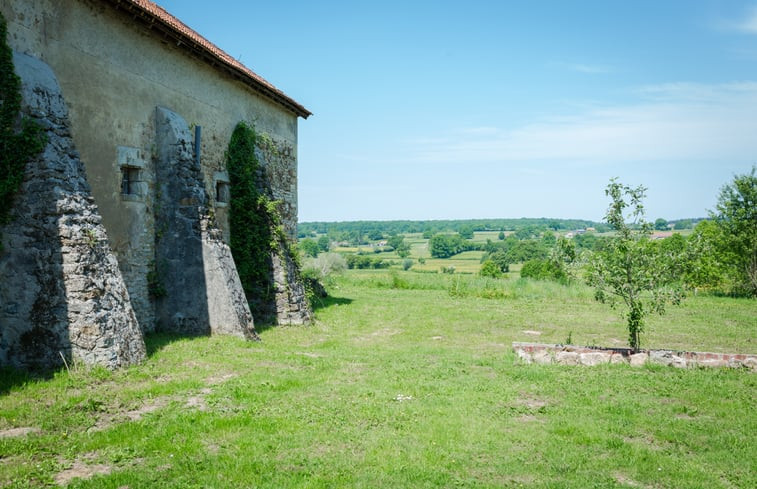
[{"x": 156, "y": 17}]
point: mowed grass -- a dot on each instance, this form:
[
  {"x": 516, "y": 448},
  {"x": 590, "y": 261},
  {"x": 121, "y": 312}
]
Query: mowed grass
[{"x": 400, "y": 387}]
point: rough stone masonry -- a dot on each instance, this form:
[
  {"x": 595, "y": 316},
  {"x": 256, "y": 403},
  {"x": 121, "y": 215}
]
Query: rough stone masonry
[
  {"x": 91, "y": 263},
  {"x": 62, "y": 294}
]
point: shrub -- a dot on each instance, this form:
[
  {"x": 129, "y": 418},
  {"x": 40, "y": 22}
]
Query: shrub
[
  {"x": 407, "y": 264},
  {"x": 490, "y": 269},
  {"x": 324, "y": 265},
  {"x": 309, "y": 247},
  {"x": 543, "y": 270}
]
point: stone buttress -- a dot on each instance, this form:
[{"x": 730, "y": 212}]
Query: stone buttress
[
  {"x": 203, "y": 292},
  {"x": 62, "y": 296}
]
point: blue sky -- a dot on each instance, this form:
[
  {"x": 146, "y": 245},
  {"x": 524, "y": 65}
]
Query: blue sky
[{"x": 482, "y": 109}]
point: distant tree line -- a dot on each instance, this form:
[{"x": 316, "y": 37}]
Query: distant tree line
[{"x": 363, "y": 232}]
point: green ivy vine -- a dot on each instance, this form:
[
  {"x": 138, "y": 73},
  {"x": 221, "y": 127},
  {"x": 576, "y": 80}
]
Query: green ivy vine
[
  {"x": 255, "y": 223},
  {"x": 20, "y": 137}
]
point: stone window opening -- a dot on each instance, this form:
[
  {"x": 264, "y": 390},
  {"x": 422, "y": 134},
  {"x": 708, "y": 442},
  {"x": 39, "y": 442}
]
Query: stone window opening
[
  {"x": 130, "y": 177},
  {"x": 223, "y": 194},
  {"x": 222, "y": 188}
]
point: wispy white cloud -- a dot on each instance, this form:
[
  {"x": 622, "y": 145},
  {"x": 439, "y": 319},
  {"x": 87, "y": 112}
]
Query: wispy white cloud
[
  {"x": 588, "y": 68},
  {"x": 678, "y": 121},
  {"x": 749, "y": 24},
  {"x": 746, "y": 24}
]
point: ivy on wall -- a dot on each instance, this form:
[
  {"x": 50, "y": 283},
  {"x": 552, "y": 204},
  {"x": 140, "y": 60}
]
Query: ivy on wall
[
  {"x": 20, "y": 137},
  {"x": 254, "y": 221}
]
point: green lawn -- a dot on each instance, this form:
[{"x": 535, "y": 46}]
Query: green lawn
[{"x": 405, "y": 380}]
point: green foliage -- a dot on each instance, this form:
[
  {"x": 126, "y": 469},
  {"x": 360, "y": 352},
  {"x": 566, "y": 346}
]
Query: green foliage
[
  {"x": 20, "y": 137},
  {"x": 407, "y": 264},
  {"x": 661, "y": 224},
  {"x": 557, "y": 267},
  {"x": 518, "y": 251},
  {"x": 501, "y": 236},
  {"x": 446, "y": 245},
  {"x": 309, "y": 247},
  {"x": 490, "y": 269},
  {"x": 736, "y": 217},
  {"x": 364, "y": 261},
  {"x": 704, "y": 267},
  {"x": 543, "y": 270},
  {"x": 466, "y": 231},
  {"x": 684, "y": 224},
  {"x": 339, "y": 231},
  {"x": 324, "y": 244},
  {"x": 397, "y": 242},
  {"x": 499, "y": 258},
  {"x": 254, "y": 221},
  {"x": 628, "y": 270}
]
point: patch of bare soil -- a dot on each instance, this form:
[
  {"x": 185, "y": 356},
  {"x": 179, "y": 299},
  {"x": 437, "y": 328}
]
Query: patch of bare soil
[
  {"x": 531, "y": 403},
  {"x": 106, "y": 420},
  {"x": 81, "y": 470},
  {"x": 198, "y": 402},
  {"x": 15, "y": 432},
  {"x": 219, "y": 378},
  {"x": 526, "y": 409}
]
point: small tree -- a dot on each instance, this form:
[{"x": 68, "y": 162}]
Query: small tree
[
  {"x": 490, "y": 269},
  {"x": 628, "y": 269},
  {"x": 661, "y": 224},
  {"x": 309, "y": 247},
  {"x": 736, "y": 218},
  {"x": 324, "y": 244}
]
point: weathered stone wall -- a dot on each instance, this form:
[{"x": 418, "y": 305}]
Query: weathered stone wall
[
  {"x": 278, "y": 166},
  {"x": 577, "y": 355},
  {"x": 292, "y": 306},
  {"x": 112, "y": 94},
  {"x": 62, "y": 294},
  {"x": 203, "y": 293}
]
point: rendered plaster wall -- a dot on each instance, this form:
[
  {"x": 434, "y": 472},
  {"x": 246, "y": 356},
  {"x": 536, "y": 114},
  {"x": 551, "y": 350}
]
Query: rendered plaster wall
[{"x": 113, "y": 72}]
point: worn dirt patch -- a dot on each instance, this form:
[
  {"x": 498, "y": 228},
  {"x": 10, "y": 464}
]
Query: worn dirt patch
[
  {"x": 81, "y": 470},
  {"x": 197, "y": 402},
  {"x": 21, "y": 431},
  {"x": 106, "y": 420},
  {"x": 220, "y": 378},
  {"x": 531, "y": 403}
]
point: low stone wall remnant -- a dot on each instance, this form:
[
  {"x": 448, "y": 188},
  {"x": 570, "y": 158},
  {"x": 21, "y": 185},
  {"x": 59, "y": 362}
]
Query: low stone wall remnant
[{"x": 589, "y": 356}]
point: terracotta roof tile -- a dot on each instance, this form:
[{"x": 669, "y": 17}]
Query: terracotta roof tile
[{"x": 193, "y": 41}]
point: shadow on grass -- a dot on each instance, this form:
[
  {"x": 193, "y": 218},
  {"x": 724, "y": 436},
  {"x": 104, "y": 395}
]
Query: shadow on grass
[
  {"x": 11, "y": 377},
  {"x": 154, "y": 342},
  {"x": 320, "y": 303}
]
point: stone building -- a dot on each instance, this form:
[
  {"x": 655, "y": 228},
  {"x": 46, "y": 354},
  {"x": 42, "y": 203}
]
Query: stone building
[{"x": 121, "y": 224}]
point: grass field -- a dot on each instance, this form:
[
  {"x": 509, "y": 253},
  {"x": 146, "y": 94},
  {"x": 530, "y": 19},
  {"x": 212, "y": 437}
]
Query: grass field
[{"x": 405, "y": 380}]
